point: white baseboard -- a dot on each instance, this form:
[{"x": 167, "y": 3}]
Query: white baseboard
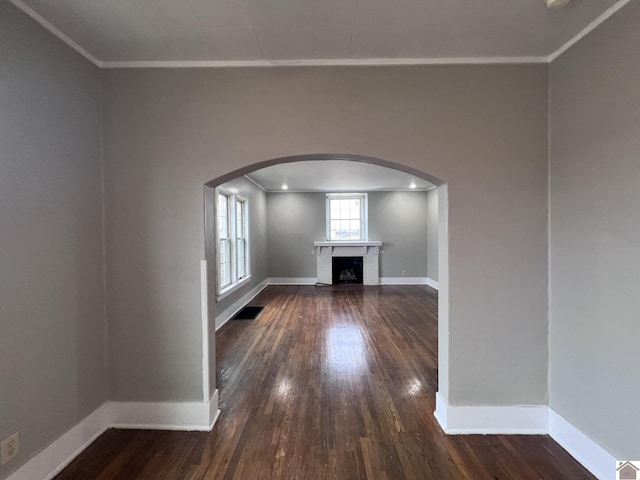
[
  {"x": 383, "y": 281},
  {"x": 494, "y": 420},
  {"x": 441, "y": 412},
  {"x": 50, "y": 461},
  {"x": 535, "y": 419},
  {"x": 293, "y": 281},
  {"x": 408, "y": 281},
  {"x": 160, "y": 416},
  {"x": 591, "y": 455},
  {"x": 433, "y": 284},
  {"x": 192, "y": 416},
  {"x": 226, "y": 315}
]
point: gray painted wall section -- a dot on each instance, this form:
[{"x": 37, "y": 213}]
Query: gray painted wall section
[
  {"x": 52, "y": 340},
  {"x": 482, "y": 129},
  {"x": 595, "y": 234},
  {"x": 399, "y": 220},
  {"x": 295, "y": 221},
  {"x": 257, "y": 199},
  {"x": 432, "y": 234}
]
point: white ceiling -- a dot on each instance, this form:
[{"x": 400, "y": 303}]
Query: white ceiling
[
  {"x": 117, "y": 32},
  {"x": 334, "y": 176}
]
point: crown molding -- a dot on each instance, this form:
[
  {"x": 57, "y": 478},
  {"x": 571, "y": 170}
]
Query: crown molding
[
  {"x": 588, "y": 29},
  {"x": 338, "y": 62},
  {"x": 54, "y": 30},
  {"x": 255, "y": 183}
]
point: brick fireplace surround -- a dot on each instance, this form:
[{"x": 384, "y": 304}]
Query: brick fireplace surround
[{"x": 369, "y": 251}]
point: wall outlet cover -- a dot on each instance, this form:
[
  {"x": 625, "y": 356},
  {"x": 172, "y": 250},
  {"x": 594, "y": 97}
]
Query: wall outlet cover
[{"x": 9, "y": 448}]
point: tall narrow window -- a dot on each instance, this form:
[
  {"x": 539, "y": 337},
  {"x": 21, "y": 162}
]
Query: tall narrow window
[
  {"x": 224, "y": 239},
  {"x": 233, "y": 239},
  {"x": 241, "y": 237},
  {"x": 346, "y": 216}
]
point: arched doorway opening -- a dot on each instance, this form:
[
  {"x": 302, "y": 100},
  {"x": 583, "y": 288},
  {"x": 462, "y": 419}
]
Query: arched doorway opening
[{"x": 210, "y": 272}]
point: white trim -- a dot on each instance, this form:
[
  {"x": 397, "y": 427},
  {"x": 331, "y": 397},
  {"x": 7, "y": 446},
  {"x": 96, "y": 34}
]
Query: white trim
[
  {"x": 56, "y": 456},
  {"x": 337, "y": 62},
  {"x": 347, "y": 62},
  {"x": 441, "y": 411},
  {"x": 433, "y": 283},
  {"x": 376, "y": 190},
  {"x": 591, "y": 455},
  {"x": 406, "y": 281},
  {"x": 204, "y": 308},
  {"x": 214, "y": 410},
  {"x": 255, "y": 183},
  {"x": 588, "y": 29},
  {"x": 54, "y": 30},
  {"x": 494, "y": 420},
  {"x": 534, "y": 419},
  {"x": 50, "y": 461},
  {"x": 227, "y": 314},
  {"x": 228, "y": 290},
  {"x": 348, "y": 243},
  {"x": 292, "y": 281},
  {"x": 184, "y": 416},
  {"x": 403, "y": 280}
]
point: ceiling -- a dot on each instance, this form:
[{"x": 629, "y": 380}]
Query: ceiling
[
  {"x": 335, "y": 176},
  {"x": 146, "y": 32}
]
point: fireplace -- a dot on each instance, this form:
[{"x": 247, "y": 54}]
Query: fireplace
[
  {"x": 347, "y": 270},
  {"x": 367, "y": 254}
]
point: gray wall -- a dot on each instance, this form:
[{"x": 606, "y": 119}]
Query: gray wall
[
  {"x": 52, "y": 337},
  {"x": 595, "y": 234},
  {"x": 399, "y": 220},
  {"x": 432, "y": 234},
  {"x": 257, "y": 199},
  {"x": 167, "y": 132},
  {"x": 296, "y": 220}
]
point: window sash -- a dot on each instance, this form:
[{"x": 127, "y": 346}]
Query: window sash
[
  {"x": 225, "y": 262},
  {"x": 241, "y": 241},
  {"x": 233, "y": 264},
  {"x": 346, "y": 217}
]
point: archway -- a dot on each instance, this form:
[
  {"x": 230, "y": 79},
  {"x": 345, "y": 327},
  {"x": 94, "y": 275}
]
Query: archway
[{"x": 209, "y": 269}]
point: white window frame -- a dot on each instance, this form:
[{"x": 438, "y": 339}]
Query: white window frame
[
  {"x": 233, "y": 197},
  {"x": 245, "y": 227},
  {"x": 364, "y": 207}
]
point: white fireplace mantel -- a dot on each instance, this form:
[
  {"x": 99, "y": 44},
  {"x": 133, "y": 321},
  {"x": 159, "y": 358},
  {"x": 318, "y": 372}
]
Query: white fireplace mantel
[
  {"x": 369, "y": 251},
  {"x": 347, "y": 244}
]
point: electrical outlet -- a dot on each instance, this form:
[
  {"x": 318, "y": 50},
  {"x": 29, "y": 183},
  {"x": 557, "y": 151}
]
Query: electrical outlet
[
  {"x": 9, "y": 448},
  {"x": 404, "y": 272}
]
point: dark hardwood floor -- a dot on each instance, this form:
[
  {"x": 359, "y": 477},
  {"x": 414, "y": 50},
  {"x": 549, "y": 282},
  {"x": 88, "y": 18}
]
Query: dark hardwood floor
[{"x": 327, "y": 383}]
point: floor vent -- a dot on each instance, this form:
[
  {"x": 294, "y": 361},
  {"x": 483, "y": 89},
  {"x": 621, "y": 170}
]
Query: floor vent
[{"x": 248, "y": 313}]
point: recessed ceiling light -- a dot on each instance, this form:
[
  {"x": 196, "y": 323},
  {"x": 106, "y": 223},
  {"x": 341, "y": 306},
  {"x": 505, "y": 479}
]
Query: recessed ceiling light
[
  {"x": 413, "y": 185},
  {"x": 553, "y": 4},
  {"x": 284, "y": 187}
]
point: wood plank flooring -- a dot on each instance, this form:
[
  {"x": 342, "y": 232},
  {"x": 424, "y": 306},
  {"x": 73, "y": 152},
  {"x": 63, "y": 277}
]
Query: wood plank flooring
[{"x": 327, "y": 383}]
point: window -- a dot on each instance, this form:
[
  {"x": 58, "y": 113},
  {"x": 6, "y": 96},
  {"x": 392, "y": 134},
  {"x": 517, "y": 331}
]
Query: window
[
  {"x": 224, "y": 239},
  {"x": 346, "y": 216},
  {"x": 241, "y": 238},
  {"x": 233, "y": 240}
]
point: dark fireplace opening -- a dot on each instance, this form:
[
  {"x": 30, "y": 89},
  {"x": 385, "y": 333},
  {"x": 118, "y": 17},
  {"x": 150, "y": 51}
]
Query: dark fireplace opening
[{"x": 347, "y": 270}]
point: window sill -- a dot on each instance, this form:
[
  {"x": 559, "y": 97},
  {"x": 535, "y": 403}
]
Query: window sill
[{"x": 226, "y": 291}]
